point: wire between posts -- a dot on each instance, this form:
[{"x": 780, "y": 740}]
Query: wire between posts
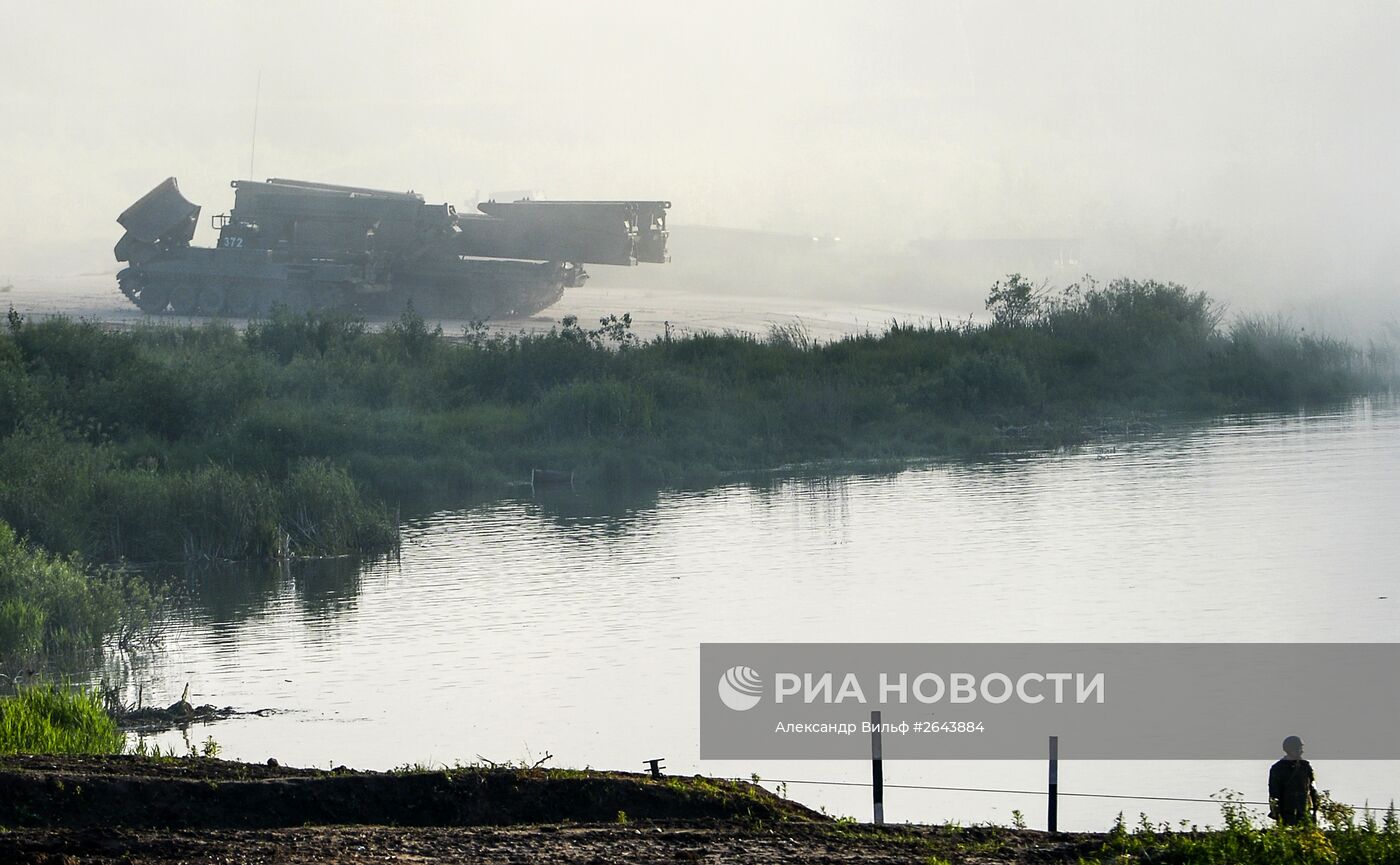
[{"x": 888, "y": 785}]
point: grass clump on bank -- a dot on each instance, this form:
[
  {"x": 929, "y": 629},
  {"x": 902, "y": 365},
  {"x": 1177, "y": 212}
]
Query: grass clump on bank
[
  {"x": 1342, "y": 839},
  {"x": 200, "y": 442},
  {"x": 49, "y": 719},
  {"x": 57, "y": 610}
]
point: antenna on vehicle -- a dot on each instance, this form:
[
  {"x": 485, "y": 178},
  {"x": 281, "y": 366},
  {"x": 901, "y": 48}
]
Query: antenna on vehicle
[{"x": 257, "y": 94}]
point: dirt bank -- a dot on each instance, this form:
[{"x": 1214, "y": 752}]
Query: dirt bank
[{"x": 143, "y": 810}]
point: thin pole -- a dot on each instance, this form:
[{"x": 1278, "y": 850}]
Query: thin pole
[
  {"x": 252, "y": 155},
  {"x": 1054, "y": 803},
  {"x": 877, "y": 768}
]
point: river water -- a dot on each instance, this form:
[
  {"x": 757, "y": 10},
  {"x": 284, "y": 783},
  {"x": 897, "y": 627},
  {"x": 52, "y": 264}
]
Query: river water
[{"x": 569, "y": 624}]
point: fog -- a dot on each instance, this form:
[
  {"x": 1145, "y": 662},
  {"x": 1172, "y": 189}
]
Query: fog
[{"x": 1247, "y": 149}]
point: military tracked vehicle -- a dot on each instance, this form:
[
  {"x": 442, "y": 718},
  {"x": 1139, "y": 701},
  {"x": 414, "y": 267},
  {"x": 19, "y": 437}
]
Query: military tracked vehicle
[{"x": 316, "y": 246}]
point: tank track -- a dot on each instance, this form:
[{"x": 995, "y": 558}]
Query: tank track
[{"x": 196, "y": 295}]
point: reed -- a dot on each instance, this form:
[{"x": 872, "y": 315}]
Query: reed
[{"x": 60, "y": 611}]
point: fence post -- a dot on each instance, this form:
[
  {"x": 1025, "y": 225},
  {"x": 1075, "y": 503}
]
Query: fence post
[
  {"x": 1054, "y": 803},
  {"x": 877, "y": 769}
]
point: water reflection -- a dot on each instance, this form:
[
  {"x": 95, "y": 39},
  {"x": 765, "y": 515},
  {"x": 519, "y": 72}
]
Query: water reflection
[
  {"x": 1138, "y": 471},
  {"x": 597, "y": 513},
  {"x": 223, "y": 596},
  {"x": 958, "y": 508}
]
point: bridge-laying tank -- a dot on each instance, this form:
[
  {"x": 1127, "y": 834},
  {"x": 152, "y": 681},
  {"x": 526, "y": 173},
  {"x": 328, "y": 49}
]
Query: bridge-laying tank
[{"x": 315, "y": 246}]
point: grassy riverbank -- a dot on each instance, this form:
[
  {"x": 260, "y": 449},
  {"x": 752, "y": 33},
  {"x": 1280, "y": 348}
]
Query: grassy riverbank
[
  {"x": 167, "y": 443},
  {"x": 1342, "y": 837},
  {"x": 141, "y": 809}
]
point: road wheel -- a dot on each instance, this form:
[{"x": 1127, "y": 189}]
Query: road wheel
[
  {"x": 155, "y": 298},
  {"x": 184, "y": 299},
  {"x": 239, "y": 301},
  {"x": 211, "y": 300}
]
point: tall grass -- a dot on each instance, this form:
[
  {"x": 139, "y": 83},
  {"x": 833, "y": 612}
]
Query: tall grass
[
  {"x": 57, "y": 611},
  {"x": 52, "y": 719},
  {"x": 69, "y": 495},
  {"x": 1245, "y": 839}
]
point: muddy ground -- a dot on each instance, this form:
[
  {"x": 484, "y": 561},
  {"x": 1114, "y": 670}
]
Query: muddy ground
[{"x": 143, "y": 810}]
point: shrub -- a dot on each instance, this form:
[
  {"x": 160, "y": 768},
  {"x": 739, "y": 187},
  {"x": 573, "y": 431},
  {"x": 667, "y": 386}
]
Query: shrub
[
  {"x": 1015, "y": 302},
  {"x": 593, "y": 409},
  {"x": 985, "y": 381},
  {"x": 409, "y": 338},
  {"x": 286, "y": 335},
  {"x": 54, "y": 609},
  {"x": 322, "y": 509}
]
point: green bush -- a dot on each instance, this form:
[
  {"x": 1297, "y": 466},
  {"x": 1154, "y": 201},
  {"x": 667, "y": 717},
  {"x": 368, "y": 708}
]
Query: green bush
[
  {"x": 286, "y": 335},
  {"x": 593, "y": 409},
  {"x": 211, "y": 512},
  {"x": 410, "y": 339},
  {"x": 983, "y": 382},
  {"x": 1269, "y": 360},
  {"x": 54, "y": 610},
  {"x": 323, "y": 509}
]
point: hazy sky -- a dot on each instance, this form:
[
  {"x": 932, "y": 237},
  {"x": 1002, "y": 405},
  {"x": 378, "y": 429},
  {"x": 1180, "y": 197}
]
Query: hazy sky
[{"x": 1227, "y": 141}]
